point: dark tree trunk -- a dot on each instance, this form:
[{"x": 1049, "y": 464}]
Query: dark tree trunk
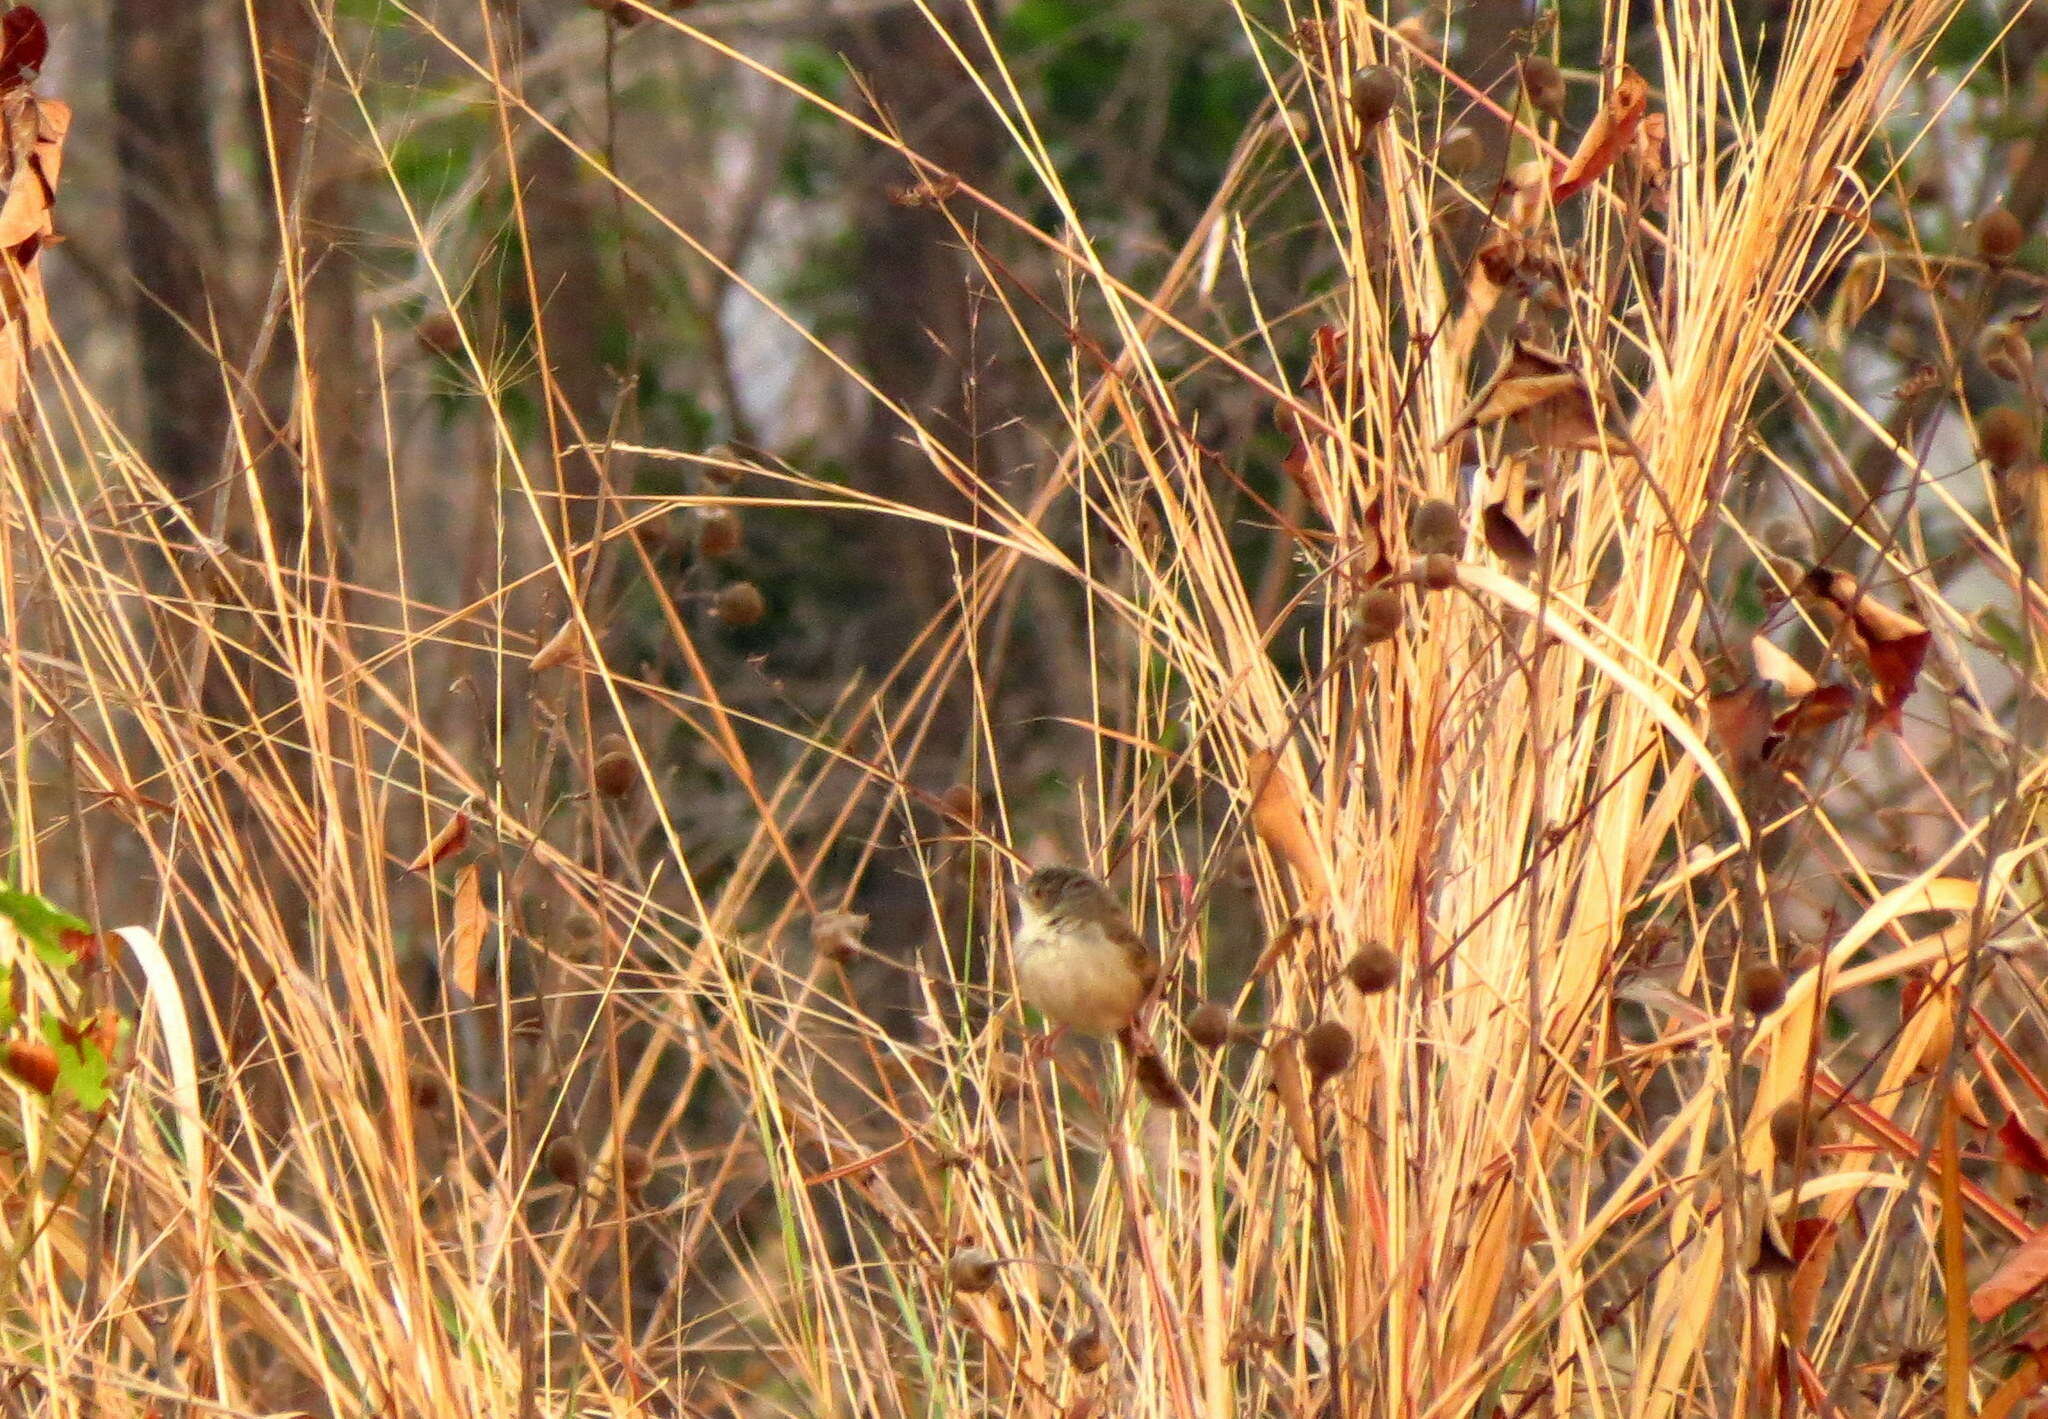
[{"x": 170, "y": 209}]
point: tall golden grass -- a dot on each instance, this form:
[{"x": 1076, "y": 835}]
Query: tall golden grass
[{"x": 649, "y": 1150}]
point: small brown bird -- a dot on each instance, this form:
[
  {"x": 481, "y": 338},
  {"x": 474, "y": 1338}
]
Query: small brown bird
[{"x": 1084, "y": 967}]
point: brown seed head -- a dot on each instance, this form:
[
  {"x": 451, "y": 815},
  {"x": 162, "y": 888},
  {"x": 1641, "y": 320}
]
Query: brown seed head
[
  {"x": 1999, "y": 236},
  {"x": 971, "y": 1270},
  {"x": 718, "y": 532},
  {"x": 428, "y": 1093},
  {"x": 1763, "y": 988},
  {"x": 2005, "y": 437},
  {"x": 837, "y": 936},
  {"x": 2004, "y": 350},
  {"x": 1375, "y": 90},
  {"x": 740, "y": 603},
  {"x": 614, "y": 774},
  {"x": 962, "y": 802},
  {"x": 564, "y": 1160},
  {"x": 1543, "y": 84},
  {"x": 1327, "y": 1050},
  {"x": 635, "y": 1167},
  {"x": 1373, "y": 968},
  {"x": 1435, "y": 526},
  {"x": 1156, "y": 1081},
  {"x": 1209, "y": 1025},
  {"x": 1088, "y": 1352},
  {"x": 1376, "y": 615},
  {"x": 1460, "y": 151},
  {"x": 1786, "y": 1119}
]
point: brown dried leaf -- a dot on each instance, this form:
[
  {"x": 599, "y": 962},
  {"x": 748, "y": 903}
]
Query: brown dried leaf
[
  {"x": 1776, "y": 665},
  {"x": 452, "y": 838},
  {"x": 1506, "y": 540},
  {"x": 24, "y": 45},
  {"x": 1892, "y": 643},
  {"x": 565, "y": 645},
  {"x": 1542, "y": 394},
  {"x": 1297, "y": 1102},
  {"x": 472, "y": 924},
  {"x": 1281, "y": 822},
  {"x": 1611, "y": 131},
  {"x": 1816, "y": 711},
  {"x": 1863, "y": 22},
  {"x": 2017, "y": 1277},
  {"x": 1741, "y": 722}
]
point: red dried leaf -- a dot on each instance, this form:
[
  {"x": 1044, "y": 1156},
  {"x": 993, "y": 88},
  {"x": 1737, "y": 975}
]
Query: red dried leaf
[
  {"x": 32, "y": 1062},
  {"x": 24, "y": 45},
  {"x": 1892, "y": 643},
  {"x": 2018, "y": 1146},
  {"x": 2017, "y": 1277},
  {"x": 1612, "y": 129}
]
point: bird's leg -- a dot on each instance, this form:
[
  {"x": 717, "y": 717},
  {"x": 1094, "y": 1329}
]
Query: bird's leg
[{"x": 1038, "y": 1049}]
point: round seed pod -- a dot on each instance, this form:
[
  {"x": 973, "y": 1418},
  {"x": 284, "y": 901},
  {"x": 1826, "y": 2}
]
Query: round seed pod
[
  {"x": 1209, "y": 1025},
  {"x": 1375, "y": 90},
  {"x": 1373, "y": 968},
  {"x": 971, "y": 1270},
  {"x": 1763, "y": 988},
  {"x": 2005, "y": 437},
  {"x": 1786, "y": 1119},
  {"x": 962, "y": 802},
  {"x": 1543, "y": 85},
  {"x": 1460, "y": 151},
  {"x": 739, "y": 604},
  {"x": 1088, "y": 1352},
  {"x": 564, "y": 1160},
  {"x": 439, "y": 334},
  {"x": 1376, "y": 615},
  {"x": 1439, "y": 571},
  {"x": 427, "y": 1090},
  {"x": 1434, "y": 527},
  {"x": 1327, "y": 1050},
  {"x": 635, "y": 1167},
  {"x": 614, "y": 774},
  {"x": 1999, "y": 236},
  {"x": 2004, "y": 350},
  {"x": 718, "y": 532}
]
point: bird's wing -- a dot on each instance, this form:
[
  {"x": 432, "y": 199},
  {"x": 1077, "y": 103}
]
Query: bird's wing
[{"x": 1143, "y": 962}]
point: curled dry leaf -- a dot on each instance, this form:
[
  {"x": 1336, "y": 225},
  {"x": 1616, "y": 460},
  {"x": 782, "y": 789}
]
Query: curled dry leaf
[
  {"x": 1506, "y": 540},
  {"x": 452, "y": 838},
  {"x": 1810, "y": 706},
  {"x": 1891, "y": 643},
  {"x": 2018, "y": 1146},
  {"x": 2017, "y": 1277},
  {"x": 1281, "y": 821},
  {"x": 565, "y": 645},
  {"x": 1863, "y": 22},
  {"x": 472, "y": 925},
  {"x": 1612, "y": 130},
  {"x": 1542, "y": 394},
  {"x": 31, "y": 151},
  {"x": 1290, "y": 1083}
]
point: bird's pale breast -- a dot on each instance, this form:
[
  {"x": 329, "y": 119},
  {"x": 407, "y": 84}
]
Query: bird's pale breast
[{"x": 1078, "y": 977}]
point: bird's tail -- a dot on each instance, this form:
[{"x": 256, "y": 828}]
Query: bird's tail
[{"x": 1150, "y": 1070}]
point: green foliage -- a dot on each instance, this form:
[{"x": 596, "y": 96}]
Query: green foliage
[
  {"x": 81, "y": 1066},
  {"x": 42, "y": 924}
]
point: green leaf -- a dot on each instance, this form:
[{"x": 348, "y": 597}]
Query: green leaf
[
  {"x": 43, "y": 924},
  {"x": 81, "y": 1068}
]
